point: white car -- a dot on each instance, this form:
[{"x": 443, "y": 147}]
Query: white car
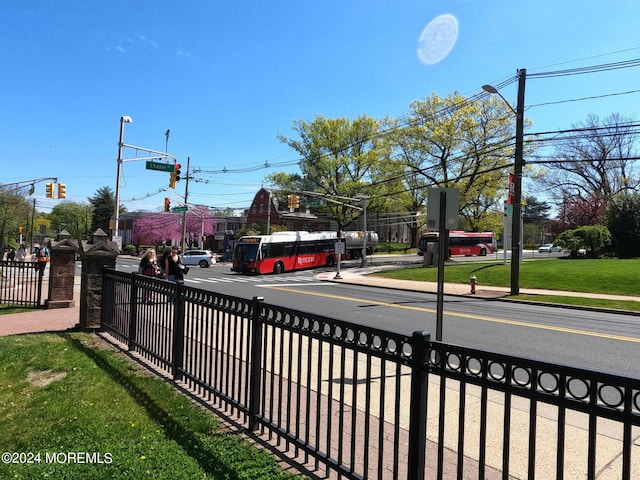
[
  {"x": 203, "y": 258},
  {"x": 549, "y": 248}
]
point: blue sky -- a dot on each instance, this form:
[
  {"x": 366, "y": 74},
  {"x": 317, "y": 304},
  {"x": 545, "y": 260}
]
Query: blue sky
[{"x": 227, "y": 77}]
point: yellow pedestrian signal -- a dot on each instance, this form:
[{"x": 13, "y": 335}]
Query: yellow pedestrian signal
[
  {"x": 172, "y": 180},
  {"x": 49, "y": 190},
  {"x": 62, "y": 190}
]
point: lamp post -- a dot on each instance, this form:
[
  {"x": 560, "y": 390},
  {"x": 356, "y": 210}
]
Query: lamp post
[
  {"x": 116, "y": 215},
  {"x": 364, "y": 198},
  {"x": 518, "y": 164}
]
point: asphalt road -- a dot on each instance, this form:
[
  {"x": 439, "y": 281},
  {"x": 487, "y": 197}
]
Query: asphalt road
[{"x": 580, "y": 338}]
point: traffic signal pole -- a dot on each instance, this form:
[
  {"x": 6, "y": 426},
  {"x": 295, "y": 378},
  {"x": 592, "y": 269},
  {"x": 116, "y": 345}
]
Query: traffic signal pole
[{"x": 184, "y": 214}]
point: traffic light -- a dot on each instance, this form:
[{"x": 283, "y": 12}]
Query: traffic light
[
  {"x": 20, "y": 230},
  {"x": 293, "y": 201},
  {"x": 49, "y": 190},
  {"x": 174, "y": 176},
  {"x": 167, "y": 204},
  {"x": 62, "y": 190}
]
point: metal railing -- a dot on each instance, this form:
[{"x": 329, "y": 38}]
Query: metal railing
[
  {"x": 20, "y": 284},
  {"x": 356, "y": 402}
]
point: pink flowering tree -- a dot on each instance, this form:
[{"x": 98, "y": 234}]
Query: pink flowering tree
[
  {"x": 200, "y": 222},
  {"x": 157, "y": 228}
]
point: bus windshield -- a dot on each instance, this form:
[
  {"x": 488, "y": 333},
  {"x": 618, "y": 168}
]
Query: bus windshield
[{"x": 246, "y": 252}]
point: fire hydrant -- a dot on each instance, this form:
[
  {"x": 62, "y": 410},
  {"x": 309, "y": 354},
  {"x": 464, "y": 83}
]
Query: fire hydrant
[{"x": 473, "y": 281}]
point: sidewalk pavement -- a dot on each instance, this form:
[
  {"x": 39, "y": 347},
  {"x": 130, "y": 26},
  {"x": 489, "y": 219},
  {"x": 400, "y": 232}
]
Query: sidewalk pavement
[
  {"x": 45, "y": 319},
  {"x": 361, "y": 276}
]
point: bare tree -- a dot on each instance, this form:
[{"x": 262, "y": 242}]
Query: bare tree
[{"x": 597, "y": 160}]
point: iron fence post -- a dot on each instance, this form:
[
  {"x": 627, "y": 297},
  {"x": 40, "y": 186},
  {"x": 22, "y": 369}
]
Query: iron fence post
[
  {"x": 178, "y": 331},
  {"x": 255, "y": 368},
  {"x": 133, "y": 312},
  {"x": 418, "y": 406}
]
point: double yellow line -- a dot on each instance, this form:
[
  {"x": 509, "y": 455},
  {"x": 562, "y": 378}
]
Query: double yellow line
[{"x": 482, "y": 318}]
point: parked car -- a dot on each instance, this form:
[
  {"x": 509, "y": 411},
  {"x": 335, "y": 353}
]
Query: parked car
[
  {"x": 549, "y": 248},
  {"x": 204, "y": 258}
]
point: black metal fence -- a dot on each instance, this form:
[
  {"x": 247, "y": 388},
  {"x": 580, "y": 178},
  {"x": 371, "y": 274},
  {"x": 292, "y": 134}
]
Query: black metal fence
[
  {"x": 20, "y": 284},
  {"x": 348, "y": 401}
]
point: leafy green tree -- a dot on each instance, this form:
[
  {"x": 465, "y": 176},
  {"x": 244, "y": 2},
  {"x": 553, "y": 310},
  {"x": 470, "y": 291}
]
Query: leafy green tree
[
  {"x": 103, "y": 203},
  {"x": 73, "y": 217},
  {"x": 454, "y": 142},
  {"x": 340, "y": 158},
  {"x": 15, "y": 212},
  {"x": 593, "y": 238},
  {"x": 623, "y": 219}
]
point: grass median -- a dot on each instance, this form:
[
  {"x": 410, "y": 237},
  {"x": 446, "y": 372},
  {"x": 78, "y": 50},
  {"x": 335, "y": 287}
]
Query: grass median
[
  {"x": 607, "y": 276},
  {"x": 71, "y": 408}
]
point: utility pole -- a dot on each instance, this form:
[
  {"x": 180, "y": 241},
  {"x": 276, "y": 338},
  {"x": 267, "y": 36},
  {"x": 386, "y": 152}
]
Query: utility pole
[{"x": 517, "y": 194}]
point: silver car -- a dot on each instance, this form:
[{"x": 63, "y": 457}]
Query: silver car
[
  {"x": 549, "y": 248},
  {"x": 204, "y": 258}
]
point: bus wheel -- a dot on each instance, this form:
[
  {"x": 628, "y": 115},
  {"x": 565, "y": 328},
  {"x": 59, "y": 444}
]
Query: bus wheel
[
  {"x": 330, "y": 261},
  {"x": 483, "y": 252},
  {"x": 278, "y": 267}
]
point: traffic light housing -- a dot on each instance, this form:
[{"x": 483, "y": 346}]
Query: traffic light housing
[
  {"x": 49, "y": 190},
  {"x": 293, "y": 201},
  {"x": 167, "y": 204},
  {"x": 174, "y": 176},
  {"x": 62, "y": 190}
]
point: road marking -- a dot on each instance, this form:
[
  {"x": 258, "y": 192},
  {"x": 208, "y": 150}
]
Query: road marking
[
  {"x": 482, "y": 318},
  {"x": 276, "y": 286}
]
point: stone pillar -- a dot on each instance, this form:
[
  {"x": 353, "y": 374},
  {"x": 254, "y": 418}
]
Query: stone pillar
[
  {"x": 96, "y": 254},
  {"x": 62, "y": 271}
]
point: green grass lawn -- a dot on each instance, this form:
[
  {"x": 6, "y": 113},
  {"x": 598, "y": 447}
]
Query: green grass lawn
[
  {"x": 612, "y": 276},
  {"x": 65, "y": 397},
  {"x": 607, "y": 275}
]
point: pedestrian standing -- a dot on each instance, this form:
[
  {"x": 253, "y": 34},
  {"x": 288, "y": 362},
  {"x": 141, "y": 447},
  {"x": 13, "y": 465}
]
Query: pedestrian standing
[{"x": 172, "y": 271}]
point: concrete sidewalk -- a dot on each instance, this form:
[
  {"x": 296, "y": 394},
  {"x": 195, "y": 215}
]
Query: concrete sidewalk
[
  {"x": 361, "y": 276},
  {"x": 43, "y": 320}
]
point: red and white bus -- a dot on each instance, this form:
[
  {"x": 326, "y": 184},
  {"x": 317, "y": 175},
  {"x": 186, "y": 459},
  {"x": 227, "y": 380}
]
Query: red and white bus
[
  {"x": 462, "y": 243},
  {"x": 285, "y": 251}
]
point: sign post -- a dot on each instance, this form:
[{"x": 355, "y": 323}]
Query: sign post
[
  {"x": 443, "y": 205},
  {"x": 339, "y": 249}
]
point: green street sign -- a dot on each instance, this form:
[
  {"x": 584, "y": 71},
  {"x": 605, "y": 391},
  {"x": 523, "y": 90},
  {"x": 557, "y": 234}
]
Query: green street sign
[
  {"x": 161, "y": 167},
  {"x": 179, "y": 209},
  {"x": 317, "y": 203}
]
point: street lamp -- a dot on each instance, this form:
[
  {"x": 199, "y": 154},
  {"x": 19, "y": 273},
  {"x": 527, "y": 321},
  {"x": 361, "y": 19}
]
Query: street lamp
[
  {"x": 518, "y": 164},
  {"x": 364, "y": 198},
  {"x": 123, "y": 119}
]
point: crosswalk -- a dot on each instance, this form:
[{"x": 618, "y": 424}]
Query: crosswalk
[
  {"x": 222, "y": 278},
  {"x": 267, "y": 279}
]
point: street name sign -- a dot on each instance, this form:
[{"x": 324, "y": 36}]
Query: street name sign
[{"x": 161, "y": 167}]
